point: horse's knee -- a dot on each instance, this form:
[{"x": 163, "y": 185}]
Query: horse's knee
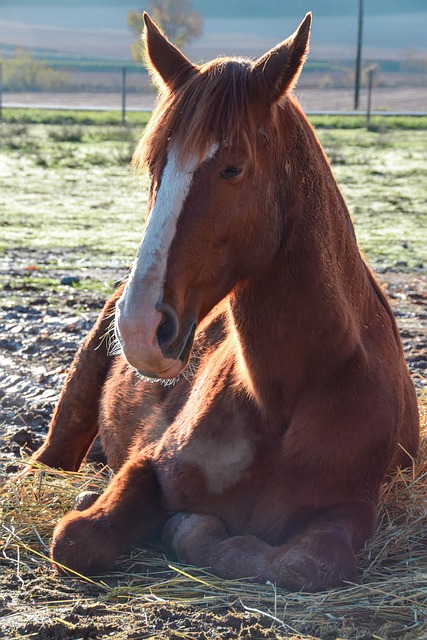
[
  {"x": 311, "y": 564},
  {"x": 84, "y": 543},
  {"x": 191, "y": 537},
  {"x": 314, "y": 565},
  {"x": 243, "y": 557}
]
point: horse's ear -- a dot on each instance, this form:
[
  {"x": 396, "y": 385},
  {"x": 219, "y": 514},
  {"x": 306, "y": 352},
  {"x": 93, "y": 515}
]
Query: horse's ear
[
  {"x": 280, "y": 67},
  {"x": 163, "y": 58}
]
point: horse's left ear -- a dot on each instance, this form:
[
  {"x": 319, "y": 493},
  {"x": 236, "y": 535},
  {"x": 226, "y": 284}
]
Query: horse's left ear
[
  {"x": 280, "y": 67},
  {"x": 163, "y": 58}
]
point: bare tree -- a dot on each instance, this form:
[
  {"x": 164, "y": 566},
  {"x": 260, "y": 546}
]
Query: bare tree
[{"x": 177, "y": 18}]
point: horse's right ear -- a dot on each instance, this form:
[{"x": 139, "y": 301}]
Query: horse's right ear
[
  {"x": 163, "y": 58},
  {"x": 278, "y": 70}
]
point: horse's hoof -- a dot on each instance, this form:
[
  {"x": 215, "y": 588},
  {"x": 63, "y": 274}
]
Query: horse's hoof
[
  {"x": 84, "y": 500},
  {"x": 173, "y": 526},
  {"x": 190, "y": 536}
]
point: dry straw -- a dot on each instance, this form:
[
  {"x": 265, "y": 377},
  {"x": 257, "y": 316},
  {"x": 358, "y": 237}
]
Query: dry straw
[{"x": 390, "y": 588}]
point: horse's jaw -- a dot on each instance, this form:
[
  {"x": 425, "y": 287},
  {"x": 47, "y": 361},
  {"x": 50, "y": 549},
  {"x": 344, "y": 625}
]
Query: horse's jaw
[{"x": 172, "y": 373}]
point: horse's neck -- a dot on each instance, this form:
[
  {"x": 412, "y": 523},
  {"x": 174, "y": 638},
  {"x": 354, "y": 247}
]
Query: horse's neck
[{"x": 304, "y": 310}]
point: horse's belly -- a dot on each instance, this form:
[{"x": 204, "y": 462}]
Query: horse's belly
[
  {"x": 233, "y": 477},
  {"x": 201, "y": 471},
  {"x": 243, "y": 499},
  {"x": 206, "y": 462},
  {"x": 208, "y": 455}
]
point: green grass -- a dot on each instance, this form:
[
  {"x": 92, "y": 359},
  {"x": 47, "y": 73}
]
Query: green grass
[
  {"x": 140, "y": 118},
  {"x": 380, "y": 123},
  {"x": 70, "y": 189},
  {"x": 67, "y": 191},
  {"x": 62, "y": 116},
  {"x": 40, "y": 284},
  {"x": 382, "y": 178}
]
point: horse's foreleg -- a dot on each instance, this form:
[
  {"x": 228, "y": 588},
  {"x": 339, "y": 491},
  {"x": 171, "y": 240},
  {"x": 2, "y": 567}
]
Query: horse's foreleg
[
  {"x": 74, "y": 423},
  {"x": 129, "y": 511},
  {"x": 321, "y": 556}
]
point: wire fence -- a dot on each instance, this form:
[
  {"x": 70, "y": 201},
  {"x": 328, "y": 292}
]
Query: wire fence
[
  {"x": 25, "y": 82},
  {"x": 96, "y": 86}
]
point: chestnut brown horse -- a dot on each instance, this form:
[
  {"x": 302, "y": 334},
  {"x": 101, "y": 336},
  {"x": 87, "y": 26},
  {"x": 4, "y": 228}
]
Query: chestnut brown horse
[{"x": 290, "y": 399}]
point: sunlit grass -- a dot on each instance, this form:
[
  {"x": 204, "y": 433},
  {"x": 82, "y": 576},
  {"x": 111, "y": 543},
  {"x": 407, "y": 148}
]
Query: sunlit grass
[
  {"x": 382, "y": 179},
  {"x": 70, "y": 187},
  {"x": 64, "y": 116}
]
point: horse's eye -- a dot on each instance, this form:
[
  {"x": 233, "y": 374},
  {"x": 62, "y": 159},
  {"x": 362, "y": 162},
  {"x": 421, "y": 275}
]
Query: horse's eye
[{"x": 231, "y": 172}]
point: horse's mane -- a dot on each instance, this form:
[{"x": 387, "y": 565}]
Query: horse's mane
[{"x": 212, "y": 104}]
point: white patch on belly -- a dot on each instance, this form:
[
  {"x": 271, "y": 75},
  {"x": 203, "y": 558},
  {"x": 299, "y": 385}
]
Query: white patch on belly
[
  {"x": 147, "y": 276},
  {"x": 223, "y": 463}
]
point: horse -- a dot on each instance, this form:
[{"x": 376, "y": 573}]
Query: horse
[{"x": 258, "y": 396}]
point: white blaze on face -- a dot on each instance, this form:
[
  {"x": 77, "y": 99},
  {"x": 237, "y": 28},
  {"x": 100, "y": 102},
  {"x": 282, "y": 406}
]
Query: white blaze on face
[{"x": 145, "y": 285}]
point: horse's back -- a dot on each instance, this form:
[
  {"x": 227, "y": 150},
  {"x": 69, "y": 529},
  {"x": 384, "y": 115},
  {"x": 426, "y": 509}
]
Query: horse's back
[
  {"x": 388, "y": 352},
  {"x": 408, "y": 434}
]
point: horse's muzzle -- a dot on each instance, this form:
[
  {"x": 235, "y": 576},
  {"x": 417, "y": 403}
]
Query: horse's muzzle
[{"x": 152, "y": 342}]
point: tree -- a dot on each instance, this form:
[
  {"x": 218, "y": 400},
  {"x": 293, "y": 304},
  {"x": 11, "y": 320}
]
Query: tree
[
  {"x": 177, "y": 18},
  {"x": 23, "y": 72}
]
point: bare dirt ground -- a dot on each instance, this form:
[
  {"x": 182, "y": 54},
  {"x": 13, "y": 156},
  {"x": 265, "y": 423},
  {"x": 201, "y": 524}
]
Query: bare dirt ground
[{"x": 39, "y": 333}]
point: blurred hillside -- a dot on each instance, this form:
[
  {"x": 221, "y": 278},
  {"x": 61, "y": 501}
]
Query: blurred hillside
[
  {"x": 277, "y": 8},
  {"x": 98, "y": 28},
  {"x": 251, "y": 8}
]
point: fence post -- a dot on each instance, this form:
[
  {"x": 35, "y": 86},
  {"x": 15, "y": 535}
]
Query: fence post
[
  {"x": 1, "y": 90},
  {"x": 123, "y": 95},
  {"x": 358, "y": 56},
  {"x": 371, "y": 71}
]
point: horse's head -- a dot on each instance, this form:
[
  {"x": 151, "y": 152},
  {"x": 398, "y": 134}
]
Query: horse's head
[{"x": 214, "y": 152}]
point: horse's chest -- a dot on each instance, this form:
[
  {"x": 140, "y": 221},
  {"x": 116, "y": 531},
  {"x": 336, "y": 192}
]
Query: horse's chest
[{"x": 203, "y": 462}]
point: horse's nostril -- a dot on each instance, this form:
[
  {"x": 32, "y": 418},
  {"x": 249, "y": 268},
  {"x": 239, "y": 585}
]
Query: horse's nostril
[{"x": 168, "y": 329}]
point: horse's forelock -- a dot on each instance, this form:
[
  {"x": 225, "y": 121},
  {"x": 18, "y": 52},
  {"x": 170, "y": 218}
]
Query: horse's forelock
[{"x": 215, "y": 104}]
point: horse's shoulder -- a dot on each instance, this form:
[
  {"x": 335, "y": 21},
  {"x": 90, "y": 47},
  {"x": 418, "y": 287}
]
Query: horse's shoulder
[{"x": 212, "y": 330}]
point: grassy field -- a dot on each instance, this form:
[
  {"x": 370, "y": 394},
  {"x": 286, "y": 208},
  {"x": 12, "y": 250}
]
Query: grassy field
[
  {"x": 140, "y": 118},
  {"x": 67, "y": 188}
]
